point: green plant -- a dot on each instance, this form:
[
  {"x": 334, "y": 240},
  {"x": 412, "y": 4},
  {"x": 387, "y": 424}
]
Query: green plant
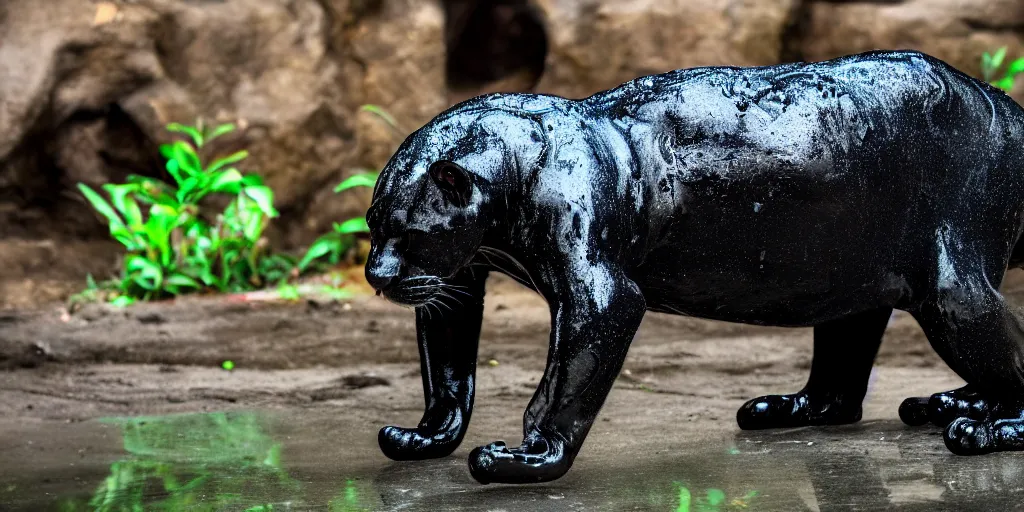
[
  {"x": 95, "y": 292},
  {"x": 335, "y": 245},
  {"x": 172, "y": 246},
  {"x": 381, "y": 113},
  {"x": 175, "y": 246},
  {"x": 990, "y": 68}
]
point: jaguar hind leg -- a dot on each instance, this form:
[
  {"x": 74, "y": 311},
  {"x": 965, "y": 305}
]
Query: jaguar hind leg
[
  {"x": 844, "y": 351},
  {"x": 976, "y": 422},
  {"x": 942, "y": 408},
  {"x": 979, "y": 336},
  {"x": 1005, "y": 432}
]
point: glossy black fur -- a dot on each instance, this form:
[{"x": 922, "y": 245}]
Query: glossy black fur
[{"x": 823, "y": 195}]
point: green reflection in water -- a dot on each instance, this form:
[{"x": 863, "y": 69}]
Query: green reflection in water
[
  {"x": 228, "y": 461},
  {"x": 197, "y": 462},
  {"x": 714, "y": 500},
  {"x": 680, "y": 496},
  {"x": 349, "y": 499}
]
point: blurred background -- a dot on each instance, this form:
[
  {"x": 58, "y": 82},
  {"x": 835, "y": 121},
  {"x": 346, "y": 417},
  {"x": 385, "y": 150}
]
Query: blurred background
[{"x": 87, "y": 87}]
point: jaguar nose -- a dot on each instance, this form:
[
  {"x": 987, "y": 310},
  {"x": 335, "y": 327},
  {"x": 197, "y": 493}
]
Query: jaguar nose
[
  {"x": 383, "y": 266},
  {"x": 379, "y": 282}
]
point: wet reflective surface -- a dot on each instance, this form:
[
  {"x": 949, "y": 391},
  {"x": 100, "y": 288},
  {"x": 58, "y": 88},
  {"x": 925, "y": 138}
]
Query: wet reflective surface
[{"x": 298, "y": 460}]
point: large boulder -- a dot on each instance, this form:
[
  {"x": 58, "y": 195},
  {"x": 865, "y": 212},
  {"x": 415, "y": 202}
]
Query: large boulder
[
  {"x": 398, "y": 52},
  {"x": 87, "y": 88},
  {"x": 953, "y": 30},
  {"x": 598, "y": 44},
  {"x": 57, "y": 70}
]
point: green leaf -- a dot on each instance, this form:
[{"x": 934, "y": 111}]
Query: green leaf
[
  {"x": 129, "y": 240},
  {"x": 1005, "y": 83},
  {"x": 323, "y": 245},
  {"x": 167, "y": 151},
  {"x": 264, "y": 197},
  {"x": 158, "y": 228},
  {"x": 381, "y": 113},
  {"x": 276, "y": 268},
  {"x": 175, "y": 282},
  {"x": 188, "y": 186},
  {"x": 207, "y": 277},
  {"x": 187, "y": 158},
  {"x": 132, "y": 213},
  {"x": 252, "y": 223},
  {"x": 997, "y": 59},
  {"x": 152, "y": 191},
  {"x": 1016, "y": 67},
  {"x": 126, "y": 205},
  {"x": 223, "y": 129},
  {"x": 230, "y": 256},
  {"x": 364, "y": 179},
  {"x": 252, "y": 180},
  {"x": 228, "y": 160},
  {"x": 288, "y": 292},
  {"x": 354, "y": 225},
  {"x": 147, "y": 274},
  {"x": 174, "y": 169},
  {"x": 336, "y": 293},
  {"x": 196, "y": 135},
  {"x": 229, "y": 181},
  {"x": 122, "y": 301},
  {"x": 103, "y": 207}
]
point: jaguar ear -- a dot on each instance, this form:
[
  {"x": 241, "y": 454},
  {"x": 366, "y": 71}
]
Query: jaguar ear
[{"x": 455, "y": 182}]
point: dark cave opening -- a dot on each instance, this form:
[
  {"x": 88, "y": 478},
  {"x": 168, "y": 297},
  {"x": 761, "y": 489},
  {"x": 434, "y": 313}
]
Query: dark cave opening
[{"x": 494, "y": 45}]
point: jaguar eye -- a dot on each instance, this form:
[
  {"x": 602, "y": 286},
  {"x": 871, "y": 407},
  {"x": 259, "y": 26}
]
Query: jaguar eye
[
  {"x": 448, "y": 176},
  {"x": 454, "y": 182}
]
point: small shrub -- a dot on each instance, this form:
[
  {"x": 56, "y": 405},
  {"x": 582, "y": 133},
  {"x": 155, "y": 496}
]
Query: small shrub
[
  {"x": 333, "y": 246},
  {"x": 991, "y": 65},
  {"x": 172, "y": 246}
]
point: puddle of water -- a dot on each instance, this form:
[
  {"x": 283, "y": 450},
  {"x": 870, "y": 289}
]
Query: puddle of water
[{"x": 257, "y": 462}]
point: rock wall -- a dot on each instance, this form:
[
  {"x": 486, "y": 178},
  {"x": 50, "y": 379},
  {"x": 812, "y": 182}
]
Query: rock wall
[
  {"x": 957, "y": 31},
  {"x": 87, "y": 86},
  {"x": 596, "y": 44},
  {"x": 86, "y": 89}
]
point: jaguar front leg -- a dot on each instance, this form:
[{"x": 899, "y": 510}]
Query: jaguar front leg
[
  {"x": 448, "y": 338},
  {"x": 593, "y": 321}
]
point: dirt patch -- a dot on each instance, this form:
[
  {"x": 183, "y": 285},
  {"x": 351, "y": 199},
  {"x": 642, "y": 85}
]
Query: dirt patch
[
  {"x": 166, "y": 357},
  {"x": 360, "y": 355},
  {"x": 39, "y": 273}
]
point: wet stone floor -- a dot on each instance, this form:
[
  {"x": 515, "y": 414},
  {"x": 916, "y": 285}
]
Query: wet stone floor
[
  {"x": 117, "y": 410},
  {"x": 297, "y": 460}
]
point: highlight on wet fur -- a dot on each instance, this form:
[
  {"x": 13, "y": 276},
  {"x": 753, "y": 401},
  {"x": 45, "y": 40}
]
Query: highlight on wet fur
[{"x": 820, "y": 195}]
